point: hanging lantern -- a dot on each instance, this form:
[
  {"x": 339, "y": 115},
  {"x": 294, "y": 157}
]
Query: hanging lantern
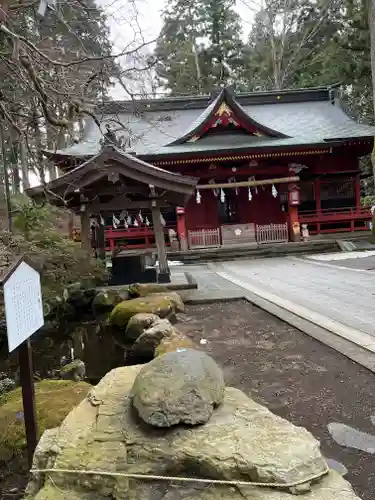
[
  {"x": 250, "y": 195},
  {"x": 222, "y": 196},
  {"x": 147, "y": 222},
  {"x": 274, "y": 191},
  {"x": 198, "y": 197},
  {"x": 294, "y": 195}
]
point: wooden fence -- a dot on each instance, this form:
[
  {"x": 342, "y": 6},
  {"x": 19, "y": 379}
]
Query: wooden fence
[
  {"x": 204, "y": 238},
  {"x": 272, "y": 233}
]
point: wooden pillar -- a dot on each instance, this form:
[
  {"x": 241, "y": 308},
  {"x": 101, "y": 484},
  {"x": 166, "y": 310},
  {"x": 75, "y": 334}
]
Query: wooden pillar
[
  {"x": 318, "y": 203},
  {"x": 100, "y": 239},
  {"x": 85, "y": 231},
  {"x": 164, "y": 273},
  {"x": 357, "y": 181},
  {"x": 294, "y": 227},
  {"x": 181, "y": 228}
]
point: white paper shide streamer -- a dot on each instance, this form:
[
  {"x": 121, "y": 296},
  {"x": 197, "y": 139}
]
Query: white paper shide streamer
[
  {"x": 250, "y": 195},
  {"x": 162, "y": 220},
  {"x": 274, "y": 191},
  {"x": 115, "y": 221},
  {"x": 198, "y": 197},
  {"x": 222, "y": 196}
]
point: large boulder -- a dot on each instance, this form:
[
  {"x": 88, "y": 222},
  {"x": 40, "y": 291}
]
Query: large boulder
[
  {"x": 159, "y": 304},
  {"x": 144, "y": 347},
  {"x": 241, "y": 441},
  {"x": 179, "y": 387},
  {"x": 138, "y": 324},
  {"x": 175, "y": 342}
]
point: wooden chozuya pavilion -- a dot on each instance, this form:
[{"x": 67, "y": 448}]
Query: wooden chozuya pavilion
[
  {"x": 267, "y": 163},
  {"x": 113, "y": 181}
]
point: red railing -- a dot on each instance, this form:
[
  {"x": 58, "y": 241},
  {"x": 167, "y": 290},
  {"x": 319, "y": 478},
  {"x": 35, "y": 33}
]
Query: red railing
[{"x": 334, "y": 215}]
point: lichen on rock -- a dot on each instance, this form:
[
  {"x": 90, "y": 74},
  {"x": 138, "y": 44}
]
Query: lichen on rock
[
  {"x": 179, "y": 387},
  {"x": 175, "y": 342},
  {"x": 138, "y": 324},
  {"x": 241, "y": 441},
  {"x": 76, "y": 370},
  {"x": 144, "y": 347},
  {"x": 160, "y": 304}
]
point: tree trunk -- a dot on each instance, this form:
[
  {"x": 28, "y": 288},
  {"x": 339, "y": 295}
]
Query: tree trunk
[
  {"x": 371, "y": 19},
  {"x": 39, "y": 146},
  {"x": 23, "y": 164}
]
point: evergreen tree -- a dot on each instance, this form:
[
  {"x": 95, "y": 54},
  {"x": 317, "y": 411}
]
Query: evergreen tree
[{"x": 200, "y": 46}]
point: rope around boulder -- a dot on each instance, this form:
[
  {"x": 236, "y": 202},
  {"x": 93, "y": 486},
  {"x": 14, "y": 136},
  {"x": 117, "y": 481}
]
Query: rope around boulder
[{"x": 151, "y": 477}]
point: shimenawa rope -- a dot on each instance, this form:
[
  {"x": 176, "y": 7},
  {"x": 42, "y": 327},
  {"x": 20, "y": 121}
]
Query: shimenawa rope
[{"x": 152, "y": 477}]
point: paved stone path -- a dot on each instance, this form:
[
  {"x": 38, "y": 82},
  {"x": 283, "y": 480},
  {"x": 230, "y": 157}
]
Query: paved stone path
[
  {"x": 337, "y": 293},
  {"x": 211, "y": 286}
]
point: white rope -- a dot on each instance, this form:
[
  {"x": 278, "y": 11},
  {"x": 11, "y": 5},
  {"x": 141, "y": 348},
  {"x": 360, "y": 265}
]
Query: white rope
[{"x": 152, "y": 477}]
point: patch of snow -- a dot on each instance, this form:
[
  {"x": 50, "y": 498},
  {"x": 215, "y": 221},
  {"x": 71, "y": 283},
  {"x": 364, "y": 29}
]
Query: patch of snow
[
  {"x": 327, "y": 257},
  {"x": 172, "y": 263}
]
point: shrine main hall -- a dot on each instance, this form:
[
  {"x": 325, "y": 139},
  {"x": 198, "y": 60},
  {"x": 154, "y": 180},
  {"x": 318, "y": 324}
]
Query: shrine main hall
[{"x": 267, "y": 165}]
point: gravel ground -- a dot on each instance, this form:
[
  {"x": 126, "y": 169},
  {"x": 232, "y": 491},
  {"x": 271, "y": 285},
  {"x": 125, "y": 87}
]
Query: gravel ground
[{"x": 295, "y": 376}]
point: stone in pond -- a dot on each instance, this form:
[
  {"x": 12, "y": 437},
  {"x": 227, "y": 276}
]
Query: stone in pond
[
  {"x": 175, "y": 342},
  {"x": 160, "y": 304},
  {"x": 76, "y": 370},
  {"x": 179, "y": 387},
  {"x": 138, "y": 324},
  {"x": 144, "y": 347},
  {"x": 144, "y": 289}
]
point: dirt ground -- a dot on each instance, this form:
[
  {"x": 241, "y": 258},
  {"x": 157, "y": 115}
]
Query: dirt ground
[
  {"x": 292, "y": 374},
  {"x": 295, "y": 376}
]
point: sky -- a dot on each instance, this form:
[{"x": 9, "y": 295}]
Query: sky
[{"x": 141, "y": 20}]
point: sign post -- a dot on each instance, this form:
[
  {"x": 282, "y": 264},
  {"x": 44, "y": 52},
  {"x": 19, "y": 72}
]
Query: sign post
[{"x": 24, "y": 316}]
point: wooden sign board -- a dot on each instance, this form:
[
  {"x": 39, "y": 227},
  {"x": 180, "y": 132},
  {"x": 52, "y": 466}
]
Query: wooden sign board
[
  {"x": 24, "y": 316},
  {"x": 23, "y": 303}
]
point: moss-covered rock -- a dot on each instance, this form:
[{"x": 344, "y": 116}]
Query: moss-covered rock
[
  {"x": 138, "y": 324},
  {"x": 75, "y": 370},
  {"x": 54, "y": 400},
  {"x": 178, "y": 303},
  {"x": 175, "y": 342},
  {"x": 178, "y": 388},
  {"x": 241, "y": 441},
  {"x": 160, "y": 304},
  {"x": 142, "y": 290},
  {"x": 144, "y": 347},
  {"x": 106, "y": 300}
]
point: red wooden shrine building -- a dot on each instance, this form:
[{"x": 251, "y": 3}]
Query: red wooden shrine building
[{"x": 267, "y": 163}]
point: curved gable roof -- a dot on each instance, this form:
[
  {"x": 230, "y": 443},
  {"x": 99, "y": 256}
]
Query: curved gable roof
[{"x": 225, "y": 102}]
